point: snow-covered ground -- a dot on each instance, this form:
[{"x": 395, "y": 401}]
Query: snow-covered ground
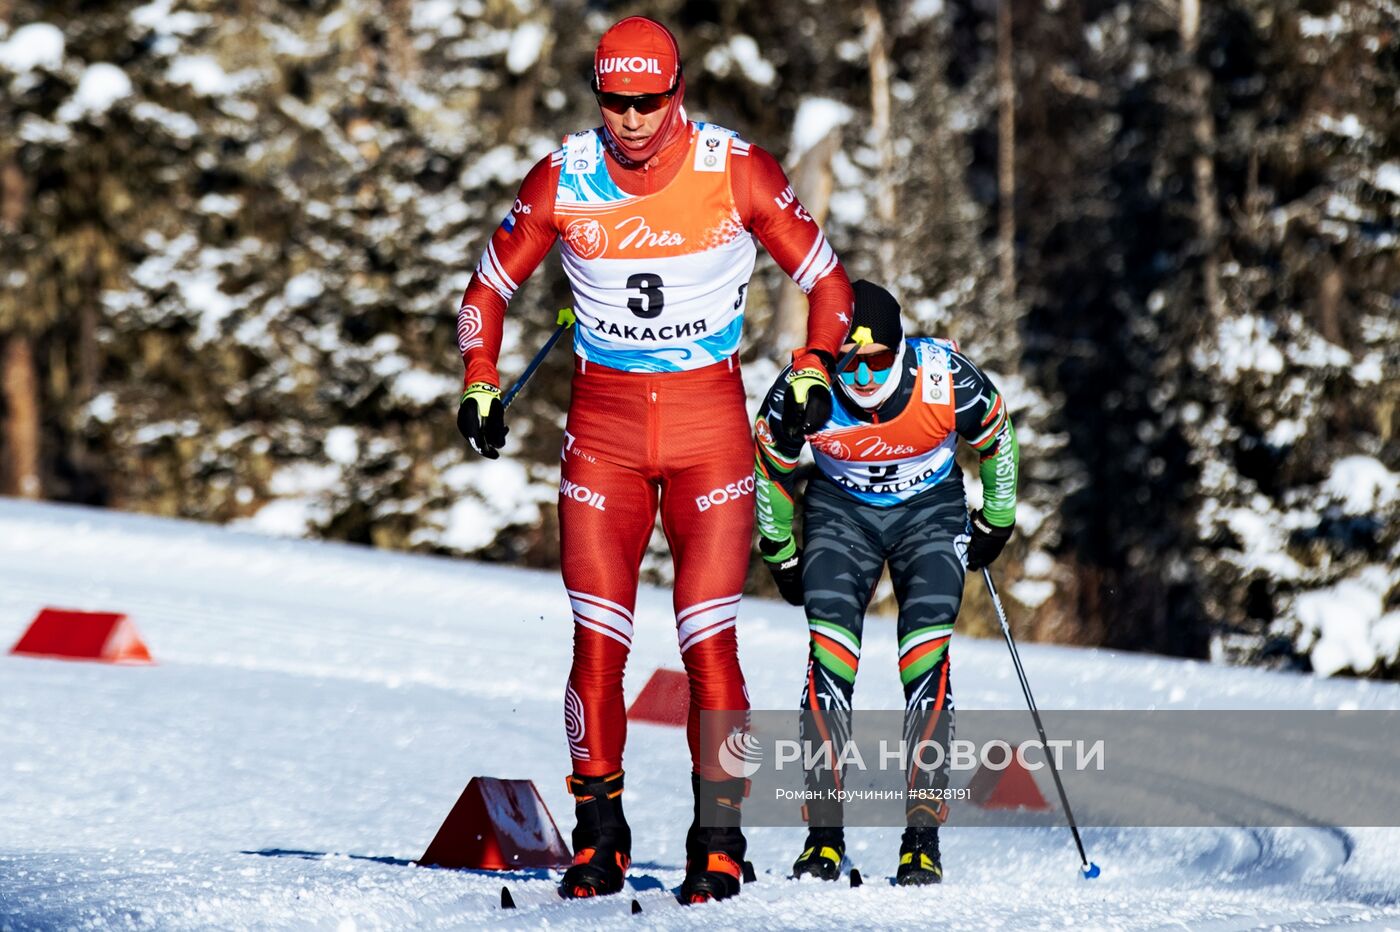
[{"x": 316, "y": 710}]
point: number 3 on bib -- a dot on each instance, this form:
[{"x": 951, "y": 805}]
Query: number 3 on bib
[{"x": 650, "y": 302}]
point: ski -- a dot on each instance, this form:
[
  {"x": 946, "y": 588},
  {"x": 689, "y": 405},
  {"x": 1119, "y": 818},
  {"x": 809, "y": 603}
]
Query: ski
[
  {"x": 539, "y": 899},
  {"x": 636, "y": 901},
  {"x": 642, "y": 899},
  {"x": 853, "y": 875},
  {"x": 652, "y": 898},
  {"x": 529, "y": 899},
  {"x": 630, "y": 897}
]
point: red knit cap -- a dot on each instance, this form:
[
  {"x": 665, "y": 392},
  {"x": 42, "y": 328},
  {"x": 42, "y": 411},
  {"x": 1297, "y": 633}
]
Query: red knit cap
[{"x": 636, "y": 56}]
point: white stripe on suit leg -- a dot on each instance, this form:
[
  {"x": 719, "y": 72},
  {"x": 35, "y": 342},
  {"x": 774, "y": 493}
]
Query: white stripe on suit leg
[
  {"x": 603, "y": 630},
  {"x": 599, "y": 600},
  {"x": 601, "y": 616},
  {"x": 689, "y": 610},
  {"x": 707, "y": 633},
  {"x": 695, "y": 623}
]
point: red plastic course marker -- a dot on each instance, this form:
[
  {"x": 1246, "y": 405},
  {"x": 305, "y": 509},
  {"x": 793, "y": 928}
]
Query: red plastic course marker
[
  {"x": 106, "y": 637},
  {"x": 1011, "y": 788},
  {"x": 497, "y": 825},
  {"x": 664, "y": 700}
]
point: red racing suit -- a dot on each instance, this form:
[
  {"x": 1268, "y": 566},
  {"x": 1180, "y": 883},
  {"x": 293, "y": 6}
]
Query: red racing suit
[{"x": 659, "y": 258}]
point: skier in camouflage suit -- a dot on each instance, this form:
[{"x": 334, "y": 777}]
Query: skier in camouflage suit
[{"x": 886, "y": 489}]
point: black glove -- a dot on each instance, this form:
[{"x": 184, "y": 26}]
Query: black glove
[
  {"x": 482, "y": 419},
  {"x": 987, "y": 541},
  {"x": 806, "y": 401},
  {"x": 787, "y": 572}
]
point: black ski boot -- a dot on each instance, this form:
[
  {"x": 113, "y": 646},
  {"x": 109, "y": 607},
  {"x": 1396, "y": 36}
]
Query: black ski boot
[
  {"x": 826, "y": 838},
  {"x": 714, "y": 846},
  {"x": 919, "y": 861},
  {"x": 822, "y": 854},
  {"x": 602, "y": 840}
]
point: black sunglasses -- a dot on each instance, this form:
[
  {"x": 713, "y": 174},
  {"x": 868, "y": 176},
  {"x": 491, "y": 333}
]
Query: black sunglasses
[{"x": 642, "y": 103}]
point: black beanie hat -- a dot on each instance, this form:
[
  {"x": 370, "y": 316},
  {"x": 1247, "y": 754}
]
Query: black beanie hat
[{"x": 877, "y": 309}]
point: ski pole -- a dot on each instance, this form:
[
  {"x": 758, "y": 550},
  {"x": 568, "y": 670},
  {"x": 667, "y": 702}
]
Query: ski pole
[
  {"x": 860, "y": 338},
  {"x": 565, "y": 319},
  {"x": 1089, "y": 869}
]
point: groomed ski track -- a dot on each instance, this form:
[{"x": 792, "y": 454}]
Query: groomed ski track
[{"x": 316, "y": 709}]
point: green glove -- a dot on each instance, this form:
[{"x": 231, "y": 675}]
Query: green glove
[{"x": 481, "y": 419}]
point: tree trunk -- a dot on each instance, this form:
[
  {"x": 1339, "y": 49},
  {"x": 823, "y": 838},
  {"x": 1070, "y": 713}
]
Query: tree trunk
[
  {"x": 20, "y": 388},
  {"x": 403, "y": 57},
  {"x": 14, "y": 195},
  {"x": 19, "y": 384},
  {"x": 812, "y": 181},
  {"x": 1202, "y": 159},
  {"x": 879, "y": 57},
  {"x": 1006, "y": 155},
  {"x": 1331, "y": 291}
]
